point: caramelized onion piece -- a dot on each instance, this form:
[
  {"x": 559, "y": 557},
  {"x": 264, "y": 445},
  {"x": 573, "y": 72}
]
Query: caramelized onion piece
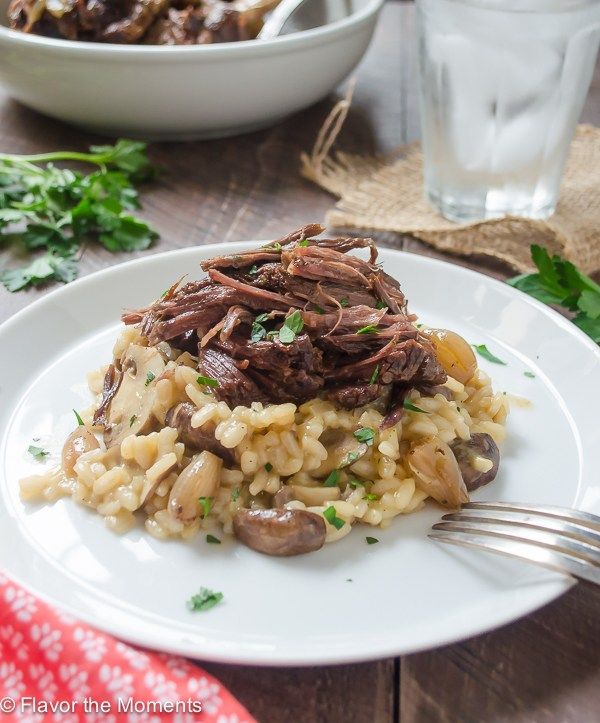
[
  {"x": 437, "y": 472},
  {"x": 80, "y": 441},
  {"x": 453, "y": 353},
  {"x": 200, "y": 478}
]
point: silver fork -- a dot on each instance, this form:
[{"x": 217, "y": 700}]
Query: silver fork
[{"x": 555, "y": 537}]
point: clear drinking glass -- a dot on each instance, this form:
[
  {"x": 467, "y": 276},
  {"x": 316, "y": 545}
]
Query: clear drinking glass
[{"x": 502, "y": 85}]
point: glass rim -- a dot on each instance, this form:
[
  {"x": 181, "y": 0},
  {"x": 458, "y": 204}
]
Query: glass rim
[{"x": 521, "y": 6}]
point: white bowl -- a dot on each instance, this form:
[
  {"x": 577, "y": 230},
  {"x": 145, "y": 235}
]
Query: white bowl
[{"x": 182, "y": 92}]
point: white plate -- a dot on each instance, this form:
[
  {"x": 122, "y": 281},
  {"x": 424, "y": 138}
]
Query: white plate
[{"x": 407, "y": 593}]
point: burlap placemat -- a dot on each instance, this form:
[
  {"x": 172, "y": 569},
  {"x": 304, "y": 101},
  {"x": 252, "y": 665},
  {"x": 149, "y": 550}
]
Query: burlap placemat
[{"x": 385, "y": 193}]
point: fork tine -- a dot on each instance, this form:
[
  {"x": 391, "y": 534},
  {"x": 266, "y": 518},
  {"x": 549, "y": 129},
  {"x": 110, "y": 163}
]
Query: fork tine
[
  {"x": 531, "y": 544},
  {"x": 551, "y": 540},
  {"x": 550, "y": 559},
  {"x": 572, "y": 530},
  {"x": 587, "y": 519}
]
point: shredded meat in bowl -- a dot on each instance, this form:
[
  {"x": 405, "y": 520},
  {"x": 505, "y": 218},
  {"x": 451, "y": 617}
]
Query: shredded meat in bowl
[{"x": 152, "y": 22}]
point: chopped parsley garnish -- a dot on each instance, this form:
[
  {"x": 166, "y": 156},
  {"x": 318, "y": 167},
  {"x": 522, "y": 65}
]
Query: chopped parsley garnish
[
  {"x": 344, "y": 302},
  {"x": 381, "y": 305},
  {"x": 531, "y": 375},
  {"x": 409, "y": 406},
  {"x": 269, "y": 467},
  {"x": 253, "y": 270},
  {"x": 212, "y": 540},
  {"x": 273, "y": 247},
  {"x": 484, "y": 352},
  {"x": 369, "y": 329},
  {"x": 365, "y": 435},
  {"x": 78, "y": 418},
  {"x": 257, "y": 332},
  {"x": 371, "y": 540},
  {"x": 304, "y": 242},
  {"x": 204, "y": 600},
  {"x": 371, "y": 497},
  {"x": 206, "y": 503},
  {"x": 206, "y": 381},
  {"x": 150, "y": 377},
  {"x": 292, "y": 326},
  {"x": 331, "y": 516},
  {"x": 37, "y": 452},
  {"x": 349, "y": 459},
  {"x": 235, "y": 493},
  {"x": 332, "y": 479},
  {"x": 356, "y": 483},
  {"x": 375, "y": 375},
  {"x": 318, "y": 309},
  {"x": 132, "y": 419}
]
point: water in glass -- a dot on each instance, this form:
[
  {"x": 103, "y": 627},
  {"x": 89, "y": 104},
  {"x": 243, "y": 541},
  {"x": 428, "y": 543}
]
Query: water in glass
[{"x": 502, "y": 85}]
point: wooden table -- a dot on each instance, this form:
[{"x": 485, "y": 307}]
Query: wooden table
[{"x": 543, "y": 668}]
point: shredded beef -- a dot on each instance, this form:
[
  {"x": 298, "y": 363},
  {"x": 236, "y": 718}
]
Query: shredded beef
[
  {"x": 298, "y": 318},
  {"x": 152, "y": 22}
]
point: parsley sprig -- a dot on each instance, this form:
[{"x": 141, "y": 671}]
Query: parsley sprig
[
  {"x": 561, "y": 283},
  {"x": 55, "y": 210}
]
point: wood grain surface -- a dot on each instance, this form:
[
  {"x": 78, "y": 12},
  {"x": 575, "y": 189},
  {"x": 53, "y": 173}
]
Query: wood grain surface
[{"x": 545, "y": 668}]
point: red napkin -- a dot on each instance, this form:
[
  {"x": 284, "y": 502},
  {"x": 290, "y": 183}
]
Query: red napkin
[{"x": 55, "y": 668}]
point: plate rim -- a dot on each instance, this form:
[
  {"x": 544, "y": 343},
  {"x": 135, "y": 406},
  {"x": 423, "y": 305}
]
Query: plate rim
[{"x": 552, "y": 588}]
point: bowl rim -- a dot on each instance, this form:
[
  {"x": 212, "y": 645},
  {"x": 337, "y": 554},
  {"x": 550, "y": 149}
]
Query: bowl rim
[{"x": 218, "y": 50}]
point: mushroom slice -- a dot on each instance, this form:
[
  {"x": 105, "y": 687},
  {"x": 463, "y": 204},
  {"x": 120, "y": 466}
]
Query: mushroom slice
[
  {"x": 112, "y": 381},
  {"x": 197, "y": 438},
  {"x": 80, "y": 441},
  {"x": 280, "y": 532},
  {"x": 283, "y": 496},
  {"x": 478, "y": 459},
  {"x": 343, "y": 450},
  {"x": 200, "y": 478},
  {"x": 315, "y": 496},
  {"x": 156, "y": 474},
  {"x": 436, "y": 469},
  {"x": 130, "y": 409}
]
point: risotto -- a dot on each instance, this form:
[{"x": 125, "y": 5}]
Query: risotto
[
  {"x": 284, "y": 428},
  {"x": 273, "y": 448}
]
